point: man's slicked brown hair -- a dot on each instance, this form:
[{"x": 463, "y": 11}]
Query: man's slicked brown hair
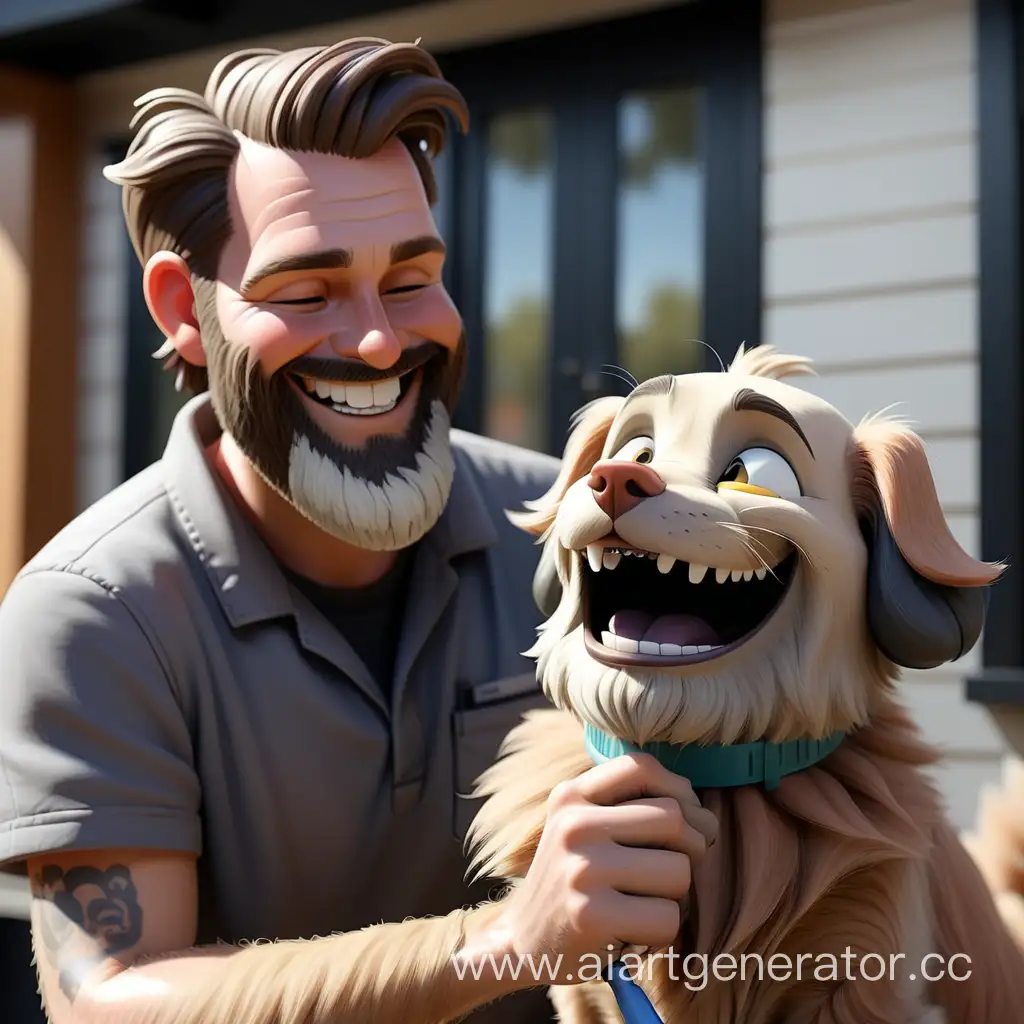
[{"x": 349, "y": 99}]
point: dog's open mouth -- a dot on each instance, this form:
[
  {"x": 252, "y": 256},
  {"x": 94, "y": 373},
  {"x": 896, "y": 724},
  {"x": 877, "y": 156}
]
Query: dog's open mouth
[{"x": 645, "y": 609}]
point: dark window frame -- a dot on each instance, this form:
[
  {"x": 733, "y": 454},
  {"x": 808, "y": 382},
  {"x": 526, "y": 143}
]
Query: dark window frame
[
  {"x": 717, "y": 44},
  {"x": 1001, "y": 277}
]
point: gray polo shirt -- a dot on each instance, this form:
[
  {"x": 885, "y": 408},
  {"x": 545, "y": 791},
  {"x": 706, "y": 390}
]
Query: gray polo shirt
[{"x": 165, "y": 687}]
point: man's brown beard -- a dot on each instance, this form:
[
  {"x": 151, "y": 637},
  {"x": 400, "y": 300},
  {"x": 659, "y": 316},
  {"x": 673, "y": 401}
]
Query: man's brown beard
[{"x": 264, "y": 414}]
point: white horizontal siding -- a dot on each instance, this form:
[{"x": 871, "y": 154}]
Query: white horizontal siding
[
  {"x": 862, "y": 258},
  {"x": 939, "y": 398},
  {"x": 103, "y": 327},
  {"x": 871, "y": 118},
  {"x": 966, "y": 530},
  {"x": 874, "y": 187},
  {"x": 869, "y": 329},
  {"x": 961, "y": 781},
  {"x": 955, "y": 727},
  {"x": 907, "y": 40},
  {"x": 870, "y": 267}
]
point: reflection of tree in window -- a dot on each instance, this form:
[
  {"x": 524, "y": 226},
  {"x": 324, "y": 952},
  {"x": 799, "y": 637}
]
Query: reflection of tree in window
[
  {"x": 659, "y": 234},
  {"x": 518, "y": 282}
]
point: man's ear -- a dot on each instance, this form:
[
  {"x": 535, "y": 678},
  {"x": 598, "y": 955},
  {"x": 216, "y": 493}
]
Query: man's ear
[
  {"x": 589, "y": 430},
  {"x": 167, "y": 286},
  {"x": 926, "y": 596}
]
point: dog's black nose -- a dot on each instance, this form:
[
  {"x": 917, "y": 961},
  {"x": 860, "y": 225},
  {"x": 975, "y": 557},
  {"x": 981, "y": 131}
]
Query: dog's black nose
[{"x": 619, "y": 486}]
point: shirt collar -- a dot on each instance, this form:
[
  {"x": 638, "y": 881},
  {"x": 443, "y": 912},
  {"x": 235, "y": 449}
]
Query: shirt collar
[{"x": 243, "y": 572}]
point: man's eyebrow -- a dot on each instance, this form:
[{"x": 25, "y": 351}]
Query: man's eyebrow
[
  {"x": 413, "y": 247},
  {"x": 747, "y": 400},
  {"x": 326, "y": 259}
]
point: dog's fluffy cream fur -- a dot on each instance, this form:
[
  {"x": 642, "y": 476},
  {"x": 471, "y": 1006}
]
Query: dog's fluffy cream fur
[{"x": 854, "y": 852}]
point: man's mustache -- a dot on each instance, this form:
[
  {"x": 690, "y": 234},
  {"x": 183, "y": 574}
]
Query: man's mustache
[{"x": 355, "y": 371}]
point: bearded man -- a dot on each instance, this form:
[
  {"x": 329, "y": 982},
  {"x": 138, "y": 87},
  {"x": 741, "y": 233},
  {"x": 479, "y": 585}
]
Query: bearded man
[{"x": 247, "y": 692}]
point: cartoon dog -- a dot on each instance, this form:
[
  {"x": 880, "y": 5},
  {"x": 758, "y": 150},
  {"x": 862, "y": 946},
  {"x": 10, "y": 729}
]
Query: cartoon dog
[{"x": 743, "y": 573}]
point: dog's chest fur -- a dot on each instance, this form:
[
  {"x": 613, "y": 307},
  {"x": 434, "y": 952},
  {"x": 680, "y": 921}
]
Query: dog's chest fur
[{"x": 831, "y": 863}]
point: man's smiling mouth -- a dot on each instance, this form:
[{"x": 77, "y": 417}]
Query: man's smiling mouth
[
  {"x": 642, "y": 609},
  {"x": 354, "y": 388},
  {"x": 353, "y": 399}
]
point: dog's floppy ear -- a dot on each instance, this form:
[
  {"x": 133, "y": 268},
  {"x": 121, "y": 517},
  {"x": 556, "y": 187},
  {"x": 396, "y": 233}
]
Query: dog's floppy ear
[
  {"x": 588, "y": 433},
  {"x": 926, "y": 596}
]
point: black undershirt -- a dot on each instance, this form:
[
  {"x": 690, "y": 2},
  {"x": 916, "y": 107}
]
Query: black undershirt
[{"x": 370, "y": 618}]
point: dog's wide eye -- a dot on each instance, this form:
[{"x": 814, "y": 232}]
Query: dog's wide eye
[
  {"x": 639, "y": 449},
  {"x": 761, "y": 471}
]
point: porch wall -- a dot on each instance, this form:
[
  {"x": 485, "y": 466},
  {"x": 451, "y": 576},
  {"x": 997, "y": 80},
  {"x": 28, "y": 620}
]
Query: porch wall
[{"x": 870, "y": 263}]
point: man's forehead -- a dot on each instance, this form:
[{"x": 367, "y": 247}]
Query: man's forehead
[
  {"x": 289, "y": 202},
  {"x": 269, "y": 181}
]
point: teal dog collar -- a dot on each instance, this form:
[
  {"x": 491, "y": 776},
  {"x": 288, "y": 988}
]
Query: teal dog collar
[{"x": 721, "y": 766}]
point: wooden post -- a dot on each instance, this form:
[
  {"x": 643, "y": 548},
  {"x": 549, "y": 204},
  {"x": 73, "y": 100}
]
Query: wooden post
[{"x": 39, "y": 268}]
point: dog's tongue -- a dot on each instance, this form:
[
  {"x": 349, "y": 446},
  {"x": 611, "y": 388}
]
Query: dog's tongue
[{"x": 684, "y": 630}]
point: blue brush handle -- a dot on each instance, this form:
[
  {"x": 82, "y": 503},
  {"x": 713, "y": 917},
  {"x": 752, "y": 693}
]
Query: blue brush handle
[{"x": 634, "y": 1005}]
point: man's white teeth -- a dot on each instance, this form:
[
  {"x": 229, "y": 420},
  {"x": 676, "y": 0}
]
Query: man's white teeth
[
  {"x": 600, "y": 557},
  {"x": 627, "y": 646},
  {"x": 361, "y": 399}
]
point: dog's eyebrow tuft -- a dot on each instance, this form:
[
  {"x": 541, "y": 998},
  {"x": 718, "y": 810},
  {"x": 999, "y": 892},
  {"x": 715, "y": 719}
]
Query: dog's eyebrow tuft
[
  {"x": 748, "y": 400},
  {"x": 662, "y": 385}
]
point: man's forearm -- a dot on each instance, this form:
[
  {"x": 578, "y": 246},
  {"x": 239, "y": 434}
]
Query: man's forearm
[{"x": 408, "y": 973}]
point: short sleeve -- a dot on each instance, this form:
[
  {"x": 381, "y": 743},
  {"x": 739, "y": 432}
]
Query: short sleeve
[{"x": 95, "y": 749}]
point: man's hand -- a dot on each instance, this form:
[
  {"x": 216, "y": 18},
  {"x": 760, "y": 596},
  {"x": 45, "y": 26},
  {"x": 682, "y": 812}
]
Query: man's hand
[{"x": 612, "y": 869}]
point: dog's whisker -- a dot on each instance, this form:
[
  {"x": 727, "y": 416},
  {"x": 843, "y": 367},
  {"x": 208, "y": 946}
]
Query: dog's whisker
[
  {"x": 748, "y": 542},
  {"x": 712, "y": 350},
  {"x": 782, "y": 536},
  {"x": 622, "y": 374}
]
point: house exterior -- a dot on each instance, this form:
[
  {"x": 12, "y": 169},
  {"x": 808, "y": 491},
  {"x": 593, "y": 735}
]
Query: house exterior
[{"x": 836, "y": 177}]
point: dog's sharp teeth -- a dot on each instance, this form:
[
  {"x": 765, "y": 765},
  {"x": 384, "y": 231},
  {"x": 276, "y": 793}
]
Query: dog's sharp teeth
[
  {"x": 665, "y": 563},
  {"x": 748, "y": 575},
  {"x": 649, "y": 647},
  {"x": 721, "y": 575},
  {"x": 737, "y": 575},
  {"x": 594, "y": 556},
  {"x": 761, "y": 573},
  {"x": 611, "y": 559},
  {"x": 697, "y": 572}
]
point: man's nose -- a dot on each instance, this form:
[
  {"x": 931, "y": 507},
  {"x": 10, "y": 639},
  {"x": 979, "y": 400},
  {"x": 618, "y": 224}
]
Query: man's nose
[
  {"x": 380, "y": 348},
  {"x": 620, "y": 486},
  {"x": 367, "y": 321}
]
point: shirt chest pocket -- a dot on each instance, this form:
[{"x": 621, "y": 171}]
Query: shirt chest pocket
[{"x": 478, "y": 733}]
